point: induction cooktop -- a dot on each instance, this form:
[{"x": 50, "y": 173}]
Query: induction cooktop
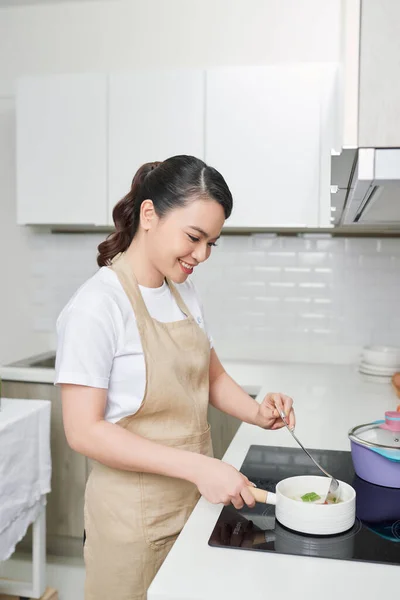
[{"x": 375, "y": 536}]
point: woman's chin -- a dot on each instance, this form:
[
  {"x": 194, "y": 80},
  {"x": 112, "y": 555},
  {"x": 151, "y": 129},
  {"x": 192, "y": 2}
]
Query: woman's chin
[{"x": 177, "y": 275}]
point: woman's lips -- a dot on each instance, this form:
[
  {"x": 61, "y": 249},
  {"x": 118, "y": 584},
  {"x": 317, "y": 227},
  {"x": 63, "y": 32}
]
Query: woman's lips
[{"x": 186, "y": 267}]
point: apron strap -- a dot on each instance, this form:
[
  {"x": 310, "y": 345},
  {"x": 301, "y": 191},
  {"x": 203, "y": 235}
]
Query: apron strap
[
  {"x": 131, "y": 287},
  {"x": 129, "y": 283},
  {"x": 178, "y": 298}
]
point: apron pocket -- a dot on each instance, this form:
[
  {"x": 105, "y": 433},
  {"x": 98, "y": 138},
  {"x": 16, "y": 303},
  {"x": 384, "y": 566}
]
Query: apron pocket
[
  {"x": 167, "y": 505},
  {"x": 167, "y": 502}
]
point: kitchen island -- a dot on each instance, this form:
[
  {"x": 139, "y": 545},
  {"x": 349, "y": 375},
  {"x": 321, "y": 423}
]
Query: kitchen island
[{"x": 329, "y": 400}]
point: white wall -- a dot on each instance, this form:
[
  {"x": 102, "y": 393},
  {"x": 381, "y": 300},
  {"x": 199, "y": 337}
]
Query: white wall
[
  {"x": 119, "y": 35},
  {"x": 311, "y": 299},
  {"x": 15, "y": 255}
]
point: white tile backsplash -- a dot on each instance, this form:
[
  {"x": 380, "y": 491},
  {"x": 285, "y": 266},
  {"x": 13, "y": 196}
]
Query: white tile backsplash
[{"x": 265, "y": 297}]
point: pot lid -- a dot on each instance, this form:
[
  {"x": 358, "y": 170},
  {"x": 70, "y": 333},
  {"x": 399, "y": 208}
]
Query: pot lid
[{"x": 377, "y": 437}]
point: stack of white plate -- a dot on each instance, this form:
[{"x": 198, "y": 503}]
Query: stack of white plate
[{"x": 380, "y": 361}]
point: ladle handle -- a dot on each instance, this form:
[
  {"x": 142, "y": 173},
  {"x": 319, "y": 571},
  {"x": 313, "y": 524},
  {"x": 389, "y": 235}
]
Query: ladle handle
[{"x": 302, "y": 447}]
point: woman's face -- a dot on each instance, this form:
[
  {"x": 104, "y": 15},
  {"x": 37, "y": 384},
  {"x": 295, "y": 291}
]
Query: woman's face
[{"x": 184, "y": 237}]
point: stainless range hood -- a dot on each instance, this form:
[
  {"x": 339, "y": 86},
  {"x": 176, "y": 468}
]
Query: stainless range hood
[{"x": 372, "y": 197}]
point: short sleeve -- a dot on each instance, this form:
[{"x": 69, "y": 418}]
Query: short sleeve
[{"x": 86, "y": 346}]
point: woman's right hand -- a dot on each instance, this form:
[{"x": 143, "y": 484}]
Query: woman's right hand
[{"x": 221, "y": 483}]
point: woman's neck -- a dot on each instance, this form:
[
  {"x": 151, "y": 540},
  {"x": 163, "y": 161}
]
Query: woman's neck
[{"x": 146, "y": 274}]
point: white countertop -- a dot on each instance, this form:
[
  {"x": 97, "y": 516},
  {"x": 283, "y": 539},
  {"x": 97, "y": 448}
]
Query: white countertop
[
  {"x": 250, "y": 375},
  {"x": 23, "y": 369},
  {"x": 27, "y": 374},
  {"x": 329, "y": 400}
]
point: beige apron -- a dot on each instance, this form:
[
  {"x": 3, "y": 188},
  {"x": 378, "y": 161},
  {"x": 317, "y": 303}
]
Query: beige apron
[{"x": 133, "y": 519}]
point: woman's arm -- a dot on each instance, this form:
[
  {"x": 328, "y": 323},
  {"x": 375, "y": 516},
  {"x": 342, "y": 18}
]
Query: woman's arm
[
  {"x": 88, "y": 433},
  {"x": 229, "y": 397}
]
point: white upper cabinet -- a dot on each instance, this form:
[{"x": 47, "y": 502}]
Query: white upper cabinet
[
  {"x": 152, "y": 115},
  {"x": 268, "y": 130},
  {"x": 61, "y": 150},
  {"x": 264, "y": 134},
  {"x": 370, "y": 73},
  {"x": 379, "y": 102}
]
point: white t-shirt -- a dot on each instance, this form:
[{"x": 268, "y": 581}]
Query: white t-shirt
[{"x": 98, "y": 343}]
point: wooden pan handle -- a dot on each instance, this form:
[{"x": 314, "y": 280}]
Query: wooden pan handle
[{"x": 258, "y": 495}]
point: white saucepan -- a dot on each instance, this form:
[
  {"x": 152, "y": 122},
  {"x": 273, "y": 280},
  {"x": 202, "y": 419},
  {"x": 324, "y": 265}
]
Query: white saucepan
[{"x": 310, "y": 517}]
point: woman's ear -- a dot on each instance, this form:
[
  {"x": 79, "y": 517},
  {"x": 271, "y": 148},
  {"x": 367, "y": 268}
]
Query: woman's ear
[{"x": 147, "y": 214}]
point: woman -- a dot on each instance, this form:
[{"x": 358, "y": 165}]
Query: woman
[{"x": 137, "y": 371}]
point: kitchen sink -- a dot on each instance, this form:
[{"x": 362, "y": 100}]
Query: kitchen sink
[
  {"x": 45, "y": 363},
  {"x": 40, "y": 361}
]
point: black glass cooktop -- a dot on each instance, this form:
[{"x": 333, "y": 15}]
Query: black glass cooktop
[{"x": 375, "y": 536}]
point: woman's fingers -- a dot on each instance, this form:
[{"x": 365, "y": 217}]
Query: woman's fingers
[
  {"x": 248, "y": 497},
  {"x": 244, "y": 496},
  {"x": 278, "y": 425},
  {"x": 292, "y": 419},
  {"x": 289, "y": 411},
  {"x": 278, "y": 402},
  {"x": 283, "y": 404},
  {"x": 237, "y": 502}
]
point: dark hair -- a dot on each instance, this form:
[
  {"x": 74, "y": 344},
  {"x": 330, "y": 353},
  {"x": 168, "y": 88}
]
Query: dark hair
[{"x": 168, "y": 184}]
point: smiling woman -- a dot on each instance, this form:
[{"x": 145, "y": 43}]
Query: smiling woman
[
  {"x": 138, "y": 371},
  {"x": 185, "y": 240}
]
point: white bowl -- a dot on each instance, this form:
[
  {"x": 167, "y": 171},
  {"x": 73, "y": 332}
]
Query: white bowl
[
  {"x": 382, "y": 356},
  {"x": 374, "y": 370},
  {"x": 374, "y": 378},
  {"x": 307, "y": 517}
]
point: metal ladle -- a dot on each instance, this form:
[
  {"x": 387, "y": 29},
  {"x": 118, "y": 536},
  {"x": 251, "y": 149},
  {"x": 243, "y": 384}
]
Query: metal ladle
[{"x": 333, "y": 492}]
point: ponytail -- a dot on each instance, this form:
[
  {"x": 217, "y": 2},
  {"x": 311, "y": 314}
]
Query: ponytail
[
  {"x": 125, "y": 217},
  {"x": 170, "y": 185}
]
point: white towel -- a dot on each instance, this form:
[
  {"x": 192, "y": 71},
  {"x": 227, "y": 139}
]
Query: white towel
[{"x": 25, "y": 467}]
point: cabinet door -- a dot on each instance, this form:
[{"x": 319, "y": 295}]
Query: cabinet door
[
  {"x": 152, "y": 115},
  {"x": 263, "y": 135},
  {"x": 61, "y": 150},
  {"x": 223, "y": 430},
  {"x": 379, "y": 100}
]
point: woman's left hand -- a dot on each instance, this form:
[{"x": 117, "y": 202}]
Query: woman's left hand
[{"x": 268, "y": 415}]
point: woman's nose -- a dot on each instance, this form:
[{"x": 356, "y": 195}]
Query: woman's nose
[{"x": 200, "y": 253}]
